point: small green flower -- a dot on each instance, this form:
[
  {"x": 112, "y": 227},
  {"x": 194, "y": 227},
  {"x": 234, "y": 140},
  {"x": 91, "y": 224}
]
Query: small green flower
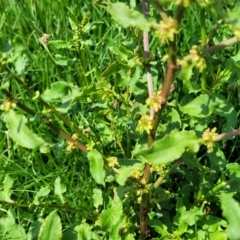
[
  {"x": 208, "y": 137},
  {"x": 90, "y": 146},
  {"x": 194, "y": 57},
  {"x": 167, "y": 30},
  {"x": 7, "y": 105},
  {"x": 155, "y": 101},
  {"x": 112, "y": 161},
  {"x": 145, "y": 123}
]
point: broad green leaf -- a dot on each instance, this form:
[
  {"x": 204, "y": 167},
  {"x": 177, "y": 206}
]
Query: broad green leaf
[
  {"x": 202, "y": 106},
  {"x": 218, "y": 235},
  {"x": 97, "y": 197},
  {"x": 16, "y": 232},
  {"x": 51, "y": 227},
  {"x": 43, "y": 192},
  {"x": 126, "y": 17},
  {"x": 231, "y": 211},
  {"x": 227, "y": 110},
  {"x": 7, "y": 185},
  {"x": 62, "y": 60},
  {"x": 84, "y": 232},
  {"x": 114, "y": 67},
  {"x": 59, "y": 189},
  {"x": 57, "y": 91},
  {"x": 69, "y": 234},
  {"x": 189, "y": 85},
  {"x": 211, "y": 223},
  {"x": 21, "y": 63},
  {"x": 7, "y": 222},
  {"x": 233, "y": 170},
  {"x": 34, "y": 229},
  {"x": 123, "y": 174},
  {"x": 233, "y": 17},
  {"x": 59, "y": 44},
  {"x": 121, "y": 51},
  {"x": 10, "y": 229},
  {"x": 96, "y": 166},
  {"x": 110, "y": 217},
  {"x": 19, "y": 132},
  {"x": 171, "y": 147}
]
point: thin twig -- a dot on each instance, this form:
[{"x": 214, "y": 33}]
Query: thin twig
[
  {"x": 221, "y": 45},
  {"x": 51, "y": 125},
  {"x": 227, "y": 135}
]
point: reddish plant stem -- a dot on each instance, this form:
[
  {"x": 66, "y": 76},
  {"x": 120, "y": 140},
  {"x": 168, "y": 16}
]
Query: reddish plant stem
[
  {"x": 144, "y": 205},
  {"x": 49, "y": 124},
  {"x": 172, "y": 65}
]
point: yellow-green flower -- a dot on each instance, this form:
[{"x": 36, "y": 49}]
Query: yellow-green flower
[
  {"x": 112, "y": 161},
  {"x": 145, "y": 123},
  {"x": 7, "y": 105},
  {"x": 90, "y": 146},
  {"x": 167, "y": 30},
  {"x": 155, "y": 101},
  {"x": 208, "y": 137}
]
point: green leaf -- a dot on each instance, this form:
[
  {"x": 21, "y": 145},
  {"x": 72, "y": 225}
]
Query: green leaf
[
  {"x": 62, "y": 60},
  {"x": 114, "y": 67},
  {"x": 227, "y": 110},
  {"x": 233, "y": 17},
  {"x": 97, "y": 197},
  {"x": 123, "y": 174},
  {"x": 126, "y": 17},
  {"x": 110, "y": 217},
  {"x": 96, "y": 166},
  {"x": 7, "y": 185},
  {"x": 233, "y": 171},
  {"x": 84, "y": 232},
  {"x": 60, "y": 44},
  {"x": 19, "y": 132},
  {"x": 51, "y": 227},
  {"x": 43, "y": 192},
  {"x": 171, "y": 147},
  {"x": 202, "y": 106},
  {"x": 59, "y": 189},
  {"x": 16, "y": 232},
  {"x": 231, "y": 211},
  {"x": 185, "y": 75},
  {"x": 57, "y": 91},
  {"x": 4, "y": 46}
]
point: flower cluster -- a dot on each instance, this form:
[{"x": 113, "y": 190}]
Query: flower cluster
[
  {"x": 7, "y": 105},
  {"x": 136, "y": 173},
  {"x": 209, "y": 138},
  {"x": 145, "y": 123},
  {"x": 167, "y": 30},
  {"x": 237, "y": 33},
  {"x": 90, "y": 146},
  {"x": 71, "y": 145},
  {"x": 195, "y": 58},
  {"x": 155, "y": 101},
  {"x": 112, "y": 162}
]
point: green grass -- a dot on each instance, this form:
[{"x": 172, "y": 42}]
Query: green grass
[{"x": 92, "y": 54}]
